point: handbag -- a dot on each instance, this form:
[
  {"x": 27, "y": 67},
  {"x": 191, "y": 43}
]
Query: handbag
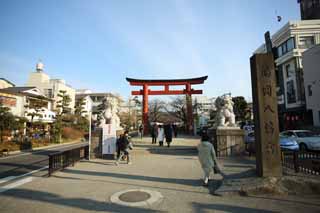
[{"x": 216, "y": 168}]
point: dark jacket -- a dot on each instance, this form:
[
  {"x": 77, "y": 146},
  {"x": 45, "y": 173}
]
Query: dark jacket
[
  {"x": 123, "y": 142},
  {"x": 168, "y": 133},
  {"x": 154, "y": 131}
]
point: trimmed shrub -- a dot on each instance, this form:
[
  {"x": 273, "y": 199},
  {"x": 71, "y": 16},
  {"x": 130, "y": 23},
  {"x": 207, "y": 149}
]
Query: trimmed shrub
[{"x": 71, "y": 133}]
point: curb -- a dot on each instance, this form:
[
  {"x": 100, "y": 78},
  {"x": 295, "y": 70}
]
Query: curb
[{"x": 39, "y": 148}]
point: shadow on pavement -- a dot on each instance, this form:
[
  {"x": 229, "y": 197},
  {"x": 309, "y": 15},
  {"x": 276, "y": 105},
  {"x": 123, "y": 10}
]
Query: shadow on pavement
[
  {"x": 17, "y": 169},
  {"x": 135, "y": 184},
  {"x": 172, "y": 151},
  {"x": 199, "y": 207},
  {"x": 79, "y": 203},
  {"x": 189, "y": 182},
  {"x": 287, "y": 200}
]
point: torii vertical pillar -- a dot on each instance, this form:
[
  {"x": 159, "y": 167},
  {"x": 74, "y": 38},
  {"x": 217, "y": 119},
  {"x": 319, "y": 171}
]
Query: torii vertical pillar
[
  {"x": 189, "y": 109},
  {"x": 145, "y": 108}
]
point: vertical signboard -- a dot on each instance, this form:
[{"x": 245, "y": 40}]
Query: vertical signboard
[
  {"x": 109, "y": 139},
  {"x": 268, "y": 156}
]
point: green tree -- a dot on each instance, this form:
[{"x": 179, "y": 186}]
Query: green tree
[
  {"x": 240, "y": 108},
  {"x": 63, "y": 103},
  {"x": 35, "y": 109},
  {"x": 62, "y": 115},
  {"x": 56, "y": 130},
  {"x": 101, "y": 108},
  {"x": 7, "y": 120},
  {"x": 79, "y": 107},
  {"x": 81, "y": 122}
]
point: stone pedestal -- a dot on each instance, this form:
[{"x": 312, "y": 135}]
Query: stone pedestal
[
  {"x": 228, "y": 141},
  {"x": 96, "y": 143}
]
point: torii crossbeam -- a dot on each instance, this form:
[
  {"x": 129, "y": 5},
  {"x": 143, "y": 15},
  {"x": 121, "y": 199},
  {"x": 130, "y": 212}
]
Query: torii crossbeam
[{"x": 188, "y": 91}]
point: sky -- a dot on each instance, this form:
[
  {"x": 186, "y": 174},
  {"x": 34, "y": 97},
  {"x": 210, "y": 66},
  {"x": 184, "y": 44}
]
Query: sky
[{"x": 96, "y": 44}]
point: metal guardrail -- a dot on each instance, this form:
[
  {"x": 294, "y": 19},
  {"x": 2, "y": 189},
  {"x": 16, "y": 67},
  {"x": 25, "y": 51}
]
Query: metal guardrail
[
  {"x": 301, "y": 161},
  {"x": 62, "y": 159}
]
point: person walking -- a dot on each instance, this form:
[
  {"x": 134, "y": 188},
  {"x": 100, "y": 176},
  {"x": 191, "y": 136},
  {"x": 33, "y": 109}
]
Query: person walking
[
  {"x": 175, "y": 130},
  {"x": 124, "y": 145},
  {"x": 168, "y": 134},
  {"x": 160, "y": 135},
  {"x": 207, "y": 157},
  {"x": 141, "y": 131},
  {"x": 154, "y": 133}
]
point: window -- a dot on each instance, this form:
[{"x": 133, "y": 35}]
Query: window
[
  {"x": 291, "y": 93},
  {"x": 309, "y": 90},
  {"x": 285, "y": 47},
  {"x": 290, "y": 44},
  {"x": 305, "y": 134},
  {"x": 291, "y": 134},
  {"x": 279, "y": 51},
  {"x": 287, "y": 134},
  {"x": 306, "y": 42},
  {"x": 48, "y": 93},
  {"x": 288, "y": 70}
]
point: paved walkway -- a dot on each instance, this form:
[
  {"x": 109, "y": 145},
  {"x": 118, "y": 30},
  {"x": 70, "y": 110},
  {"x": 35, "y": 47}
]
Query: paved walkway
[{"x": 174, "y": 172}]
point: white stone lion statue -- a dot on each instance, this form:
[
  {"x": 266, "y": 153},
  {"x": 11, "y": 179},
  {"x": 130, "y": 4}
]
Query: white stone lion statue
[
  {"x": 110, "y": 114},
  {"x": 225, "y": 115}
]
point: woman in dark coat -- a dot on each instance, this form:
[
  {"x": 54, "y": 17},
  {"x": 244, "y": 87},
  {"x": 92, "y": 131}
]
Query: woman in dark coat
[
  {"x": 168, "y": 133},
  {"x": 154, "y": 133}
]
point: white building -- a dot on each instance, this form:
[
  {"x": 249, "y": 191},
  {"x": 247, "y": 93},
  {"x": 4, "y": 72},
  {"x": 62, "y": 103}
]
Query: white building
[
  {"x": 206, "y": 105},
  {"x": 22, "y": 101},
  {"x": 289, "y": 43},
  {"x": 88, "y": 103},
  {"x": 51, "y": 87},
  {"x": 311, "y": 68},
  {"x": 93, "y": 100}
]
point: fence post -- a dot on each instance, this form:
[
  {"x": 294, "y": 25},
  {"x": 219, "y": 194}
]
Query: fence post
[
  {"x": 50, "y": 165},
  {"x": 86, "y": 152},
  {"x": 295, "y": 161}
]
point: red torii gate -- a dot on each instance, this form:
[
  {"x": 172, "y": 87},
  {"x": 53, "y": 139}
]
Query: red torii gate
[{"x": 188, "y": 91}]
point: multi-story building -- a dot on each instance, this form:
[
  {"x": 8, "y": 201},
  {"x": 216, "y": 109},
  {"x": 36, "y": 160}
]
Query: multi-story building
[
  {"x": 25, "y": 101},
  {"x": 51, "y": 87},
  {"x": 311, "y": 68},
  {"x": 288, "y": 45},
  {"x": 130, "y": 112},
  {"x": 88, "y": 103},
  {"x": 4, "y": 83},
  {"x": 93, "y": 100},
  {"x": 309, "y": 9},
  {"x": 205, "y": 106}
]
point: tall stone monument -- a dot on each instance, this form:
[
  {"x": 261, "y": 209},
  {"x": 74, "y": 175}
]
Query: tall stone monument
[{"x": 265, "y": 107}]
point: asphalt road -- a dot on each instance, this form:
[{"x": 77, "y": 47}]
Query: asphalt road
[{"x": 24, "y": 163}]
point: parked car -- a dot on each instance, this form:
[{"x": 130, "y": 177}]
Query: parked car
[
  {"x": 306, "y": 139},
  {"x": 285, "y": 143},
  {"x": 288, "y": 143}
]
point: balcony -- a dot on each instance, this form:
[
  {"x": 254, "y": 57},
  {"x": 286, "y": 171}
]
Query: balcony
[{"x": 44, "y": 115}]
